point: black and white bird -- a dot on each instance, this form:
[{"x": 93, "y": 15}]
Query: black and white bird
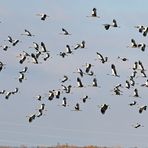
[
  {"x": 77, "y": 107},
  {"x": 114, "y": 24},
  {"x": 67, "y": 89},
  {"x": 35, "y": 46},
  {"x": 50, "y": 95},
  {"x": 85, "y": 98},
  {"x": 5, "y": 47},
  {"x": 127, "y": 84},
  {"x": 47, "y": 56},
  {"x": 137, "y": 125},
  {"x": 114, "y": 72},
  {"x": 133, "y": 44},
  {"x": 136, "y": 93},
  {"x": 64, "y": 102},
  {"x": 94, "y": 13},
  {"x": 65, "y": 78},
  {"x": 142, "y": 108},
  {"x": 104, "y": 107},
  {"x": 31, "y": 117},
  {"x": 43, "y": 47},
  {"x": 15, "y": 42},
  {"x": 100, "y": 57},
  {"x": 65, "y": 32},
  {"x": 43, "y": 16},
  {"x": 24, "y": 70},
  {"x": 8, "y": 94},
  {"x": 94, "y": 84},
  {"x": 133, "y": 103},
  {"x": 15, "y": 91},
  {"x": 145, "y": 31},
  {"x": 140, "y": 28},
  {"x": 21, "y": 77},
  {"x": 145, "y": 84},
  {"x": 27, "y": 33},
  {"x": 142, "y": 46},
  {"x": 79, "y": 82}
]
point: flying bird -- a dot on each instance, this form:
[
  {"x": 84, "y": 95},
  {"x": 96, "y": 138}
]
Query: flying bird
[
  {"x": 43, "y": 16},
  {"x": 114, "y": 72},
  {"x": 100, "y": 57}
]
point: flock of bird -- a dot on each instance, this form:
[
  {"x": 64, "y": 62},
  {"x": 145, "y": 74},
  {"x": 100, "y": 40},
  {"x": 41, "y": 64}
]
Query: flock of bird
[{"x": 41, "y": 52}]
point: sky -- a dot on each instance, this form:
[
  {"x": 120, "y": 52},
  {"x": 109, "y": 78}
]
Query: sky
[{"x": 60, "y": 124}]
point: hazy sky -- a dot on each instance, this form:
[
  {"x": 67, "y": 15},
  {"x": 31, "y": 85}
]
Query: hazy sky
[{"x": 59, "y": 124}]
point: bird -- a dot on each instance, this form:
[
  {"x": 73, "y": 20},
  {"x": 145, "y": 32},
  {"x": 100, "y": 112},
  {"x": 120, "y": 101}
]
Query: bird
[
  {"x": 77, "y": 107},
  {"x": 140, "y": 28},
  {"x": 114, "y": 24},
  {"x": 62, "y": 54},
  {"x": 106, "y": 26},
  {"x": 64, "y": 79},
  {"x": 103, "y": 109},
  {"x": 50, "y": 95},
  {"x": 1, "y": 66},
  {"x": 21, "y": 77},
  {"x": 135, "y": 67},
  {"x": 123, "y": 59},
  {"x": 35, "y": 46},
  {"x": 39, "y": 97},
  {"x": 31, "y": 117},
  {"x": 5, "y": 47},
  {"x": 79, "y": 82},
  {"x": 136, "y": 93},
  {"x": 68, "y": 49},
  {"x": 64, "y": 102},
  {"x": 145, "y": 84},
  {"x": 24, "y": 70},
  {"x": 145, "y": 31},
  {"x": 133, "y": 103},
  {"x": 88, "y": 67},
  {"x": 85, "y": 98},
  {"x": 127, "y": 84},
  {"x": 65, "y": 32},
  {"x": 80, "y": 71},
  {"x": 94, "y": 84},
  {"x": 40, "y": 113},
  {"x": 10, "y": 40},
  {"x": 132, "y": 81},
  {"x": 137, "y": 125},
  {"x": 100, "y": 57},
  {"x": 142, "y": 108},
  {"x": 57, "y": 93},
  {"x": 143, "y": 73},
  {"x": 43, "y": 16},
  {"x": 141, "y": 65},
  {"x": 8, "y": 94},
  {"x": 15, "y": 91},
  {"x": 15, "y": 42},
  {"x": 114, "y": 72},
  {"x": 47, "y": 55},
  {"x": 142, "y": 46},
  {"x": 43, "y": 47},
  {"x": 133, "y": 44},
  {"x": 2, "y": 91},
  {"x": 34, "y": 58},
  {"x": 133, "y": 75},
  {"x": 42, "y": 107},
  {"x": 82, "y": 45},
  {"x": 67, "y": 89},
  {"x": 27, "y": 33},
  {"x": 94, "y": 13}
]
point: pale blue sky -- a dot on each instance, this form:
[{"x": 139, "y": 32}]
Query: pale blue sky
[{"x": 61, "y": 125}]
